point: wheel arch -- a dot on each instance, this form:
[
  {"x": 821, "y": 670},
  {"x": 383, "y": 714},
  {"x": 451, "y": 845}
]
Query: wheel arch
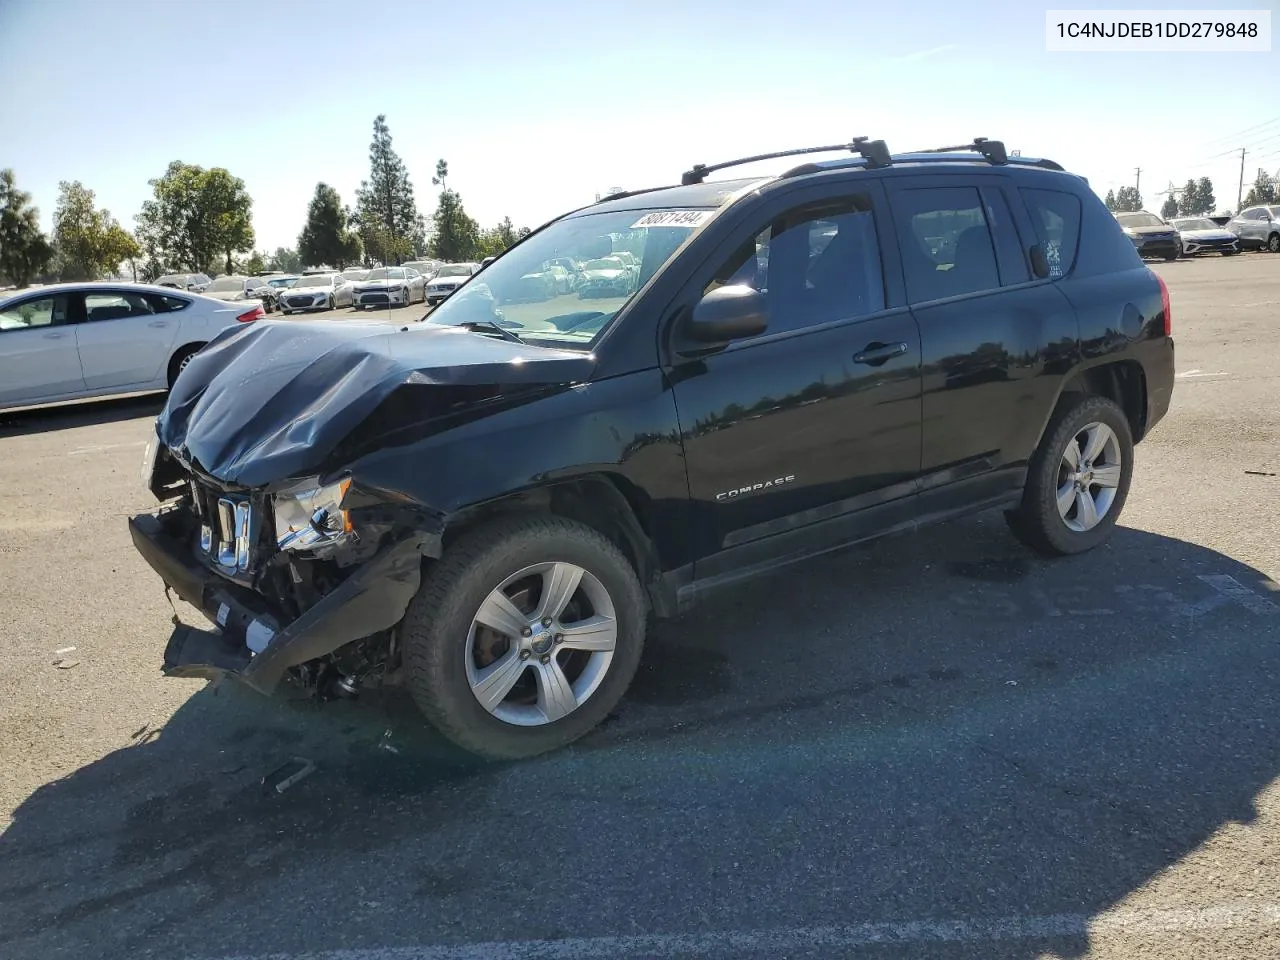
[
  {"x": 1124, "y": 382},
  {"x": 171, "y": 371},
  {"x": 606, "y": 502}
]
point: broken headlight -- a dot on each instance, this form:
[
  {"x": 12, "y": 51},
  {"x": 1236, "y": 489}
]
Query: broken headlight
[{"x": 310, "y": 515}]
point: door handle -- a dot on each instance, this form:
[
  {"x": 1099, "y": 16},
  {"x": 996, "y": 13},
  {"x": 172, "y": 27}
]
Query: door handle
[
  {"x": 158, "y": 323},
  {"x": 874, "y": 354}
]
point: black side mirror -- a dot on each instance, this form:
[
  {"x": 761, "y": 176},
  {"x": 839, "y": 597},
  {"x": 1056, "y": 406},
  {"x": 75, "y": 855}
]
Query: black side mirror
[
  {"x": 728, "y": 313},
  {"x": 1039, "y": 262}
]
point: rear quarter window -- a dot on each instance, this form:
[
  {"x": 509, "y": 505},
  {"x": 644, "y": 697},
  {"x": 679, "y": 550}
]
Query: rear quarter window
[
  {"x": 161, "y": 303},
  {"x": 1056, "y": 216}
]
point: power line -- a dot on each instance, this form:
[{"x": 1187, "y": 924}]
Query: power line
[{"x": 1241, "y": 133}]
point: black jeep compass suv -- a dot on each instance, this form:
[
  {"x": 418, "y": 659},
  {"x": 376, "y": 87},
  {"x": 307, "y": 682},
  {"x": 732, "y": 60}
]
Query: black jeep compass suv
[{"x": 492, "y": 502}]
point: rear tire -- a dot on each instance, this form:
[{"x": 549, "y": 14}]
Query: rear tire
[
  {"x": 178, "y": 362},
  {"x": 444, "y": 640},
  {"x": 1039, "y": 521},
  {"x": 1273, "y": 243}
]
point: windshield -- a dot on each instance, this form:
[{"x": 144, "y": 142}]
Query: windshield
[
  {"x": 559, "y": 312},
  {"x": 455, "y": 270},
  {"x": 355, "y": 274},
  {"x": 1139, "y": 220},
  {"x": 281, "y": 281},
  {"x": 224, "y": 284},
  {"x": 1195, "y": 224},
  {"x": 317, "y": 280},
  {"x": 386, "y": 273}
]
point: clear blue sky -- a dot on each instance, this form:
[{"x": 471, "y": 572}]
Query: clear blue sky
[{"x": 539, "y": 106}]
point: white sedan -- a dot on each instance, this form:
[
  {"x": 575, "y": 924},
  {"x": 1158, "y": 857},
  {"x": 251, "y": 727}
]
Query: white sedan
[
  {"x": 317, "y": 292},
  {"x": 73, "y": 341},
  {"x": 1202, "y": 235},
  {"x": 390, "y": 287}
]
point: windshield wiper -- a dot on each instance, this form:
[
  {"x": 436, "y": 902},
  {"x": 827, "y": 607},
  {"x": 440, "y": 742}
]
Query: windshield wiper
[{"x": 475, "y": 326}]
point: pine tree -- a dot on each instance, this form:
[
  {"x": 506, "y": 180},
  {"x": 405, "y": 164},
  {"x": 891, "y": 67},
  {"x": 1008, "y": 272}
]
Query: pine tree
[{"x": 385, "y": 207}]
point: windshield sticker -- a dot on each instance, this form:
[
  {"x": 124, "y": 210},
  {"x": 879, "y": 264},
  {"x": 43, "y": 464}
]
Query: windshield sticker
[{"x": 674, "y": 218}]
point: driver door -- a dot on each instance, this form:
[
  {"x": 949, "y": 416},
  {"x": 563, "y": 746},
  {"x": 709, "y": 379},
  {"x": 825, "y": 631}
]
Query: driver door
[
  {"x": 38, "y": 358},
  {"x": 809, "y": 434}
]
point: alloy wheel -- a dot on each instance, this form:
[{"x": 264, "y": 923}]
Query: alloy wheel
[
  {"x": 1088, "y": 477},
  {"x": 541, "y": 644}
]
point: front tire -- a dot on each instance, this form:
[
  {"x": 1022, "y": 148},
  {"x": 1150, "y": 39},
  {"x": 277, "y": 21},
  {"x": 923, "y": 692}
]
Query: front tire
[
  {"x": 524, "y": 636},
  {"x": 1078, "y": 479}
]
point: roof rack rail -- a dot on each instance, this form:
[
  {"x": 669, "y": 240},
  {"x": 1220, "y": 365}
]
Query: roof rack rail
[
  {"x": 992, "y": 150},
  {"x": 873, "y": 151}
]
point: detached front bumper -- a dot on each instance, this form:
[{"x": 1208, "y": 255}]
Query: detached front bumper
[{"x": 372, "y": 599}]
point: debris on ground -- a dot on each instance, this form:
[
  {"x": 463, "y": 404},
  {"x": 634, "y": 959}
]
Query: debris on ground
[
  {"x": 384, "y": 743},
  {"x": 1259, "y": 473},
  {"x": 58, "y": 653},
  {"x": 62, "y": 663},
  {"x": 305, "y": 768}
]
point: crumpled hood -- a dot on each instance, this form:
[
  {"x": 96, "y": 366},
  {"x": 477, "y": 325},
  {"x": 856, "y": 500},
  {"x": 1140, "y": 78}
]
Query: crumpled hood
[{"x": 270, "y": 400}]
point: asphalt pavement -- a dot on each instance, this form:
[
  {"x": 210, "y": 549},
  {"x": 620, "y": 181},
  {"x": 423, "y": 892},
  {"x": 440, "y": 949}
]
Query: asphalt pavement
[{"x": 938, "y": 746}]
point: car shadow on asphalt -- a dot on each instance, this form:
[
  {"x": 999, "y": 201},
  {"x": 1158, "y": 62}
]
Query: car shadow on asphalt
[
  {"x": 941, "y": 728},
  {"x": 86, "y": 413}
]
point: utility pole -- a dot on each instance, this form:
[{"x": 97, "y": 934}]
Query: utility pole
[
  {"x": 1138, "y": 184},
  {"x": 1240, "y": 189}
]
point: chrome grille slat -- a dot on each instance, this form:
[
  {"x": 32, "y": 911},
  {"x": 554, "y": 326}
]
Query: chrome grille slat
[{"x": 229, "y": 527}]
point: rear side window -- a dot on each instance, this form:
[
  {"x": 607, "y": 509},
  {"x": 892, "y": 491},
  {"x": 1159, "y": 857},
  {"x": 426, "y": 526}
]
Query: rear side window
[
  {"x": 1056, "y": 216},
  {"x": 946, "y": 243},
  {"x": 163, "y": 304}
]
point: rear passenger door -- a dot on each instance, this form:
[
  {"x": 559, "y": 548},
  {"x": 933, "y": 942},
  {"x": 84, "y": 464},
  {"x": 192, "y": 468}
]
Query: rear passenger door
[
  {"x": 995, "y": 342},
  {"x": 123, "y": 340}
]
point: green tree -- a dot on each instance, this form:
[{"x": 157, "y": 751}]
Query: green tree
[
  {"x": 456, "y": 236},
  {"x": 1169, "y": 208},
  {"x": 89, "y": 242},
  {"x": 24, "y": 251},
  {"x": 196, "y": 217},
  {"x": 1204, "y": 192},
  {"x": 1110, "y": 201},
  {"x": 120, "y": 246},
  {"x": 325, "y": 239},
  {"x": 499, "y": 239},
  {"x": 257, "y": 263},
  {"x": 1128, "y": 200},
  {"x": 285, "y": 260},
  {"x": 385, "y": 208},
  {"x": 1262, "y": 191}
]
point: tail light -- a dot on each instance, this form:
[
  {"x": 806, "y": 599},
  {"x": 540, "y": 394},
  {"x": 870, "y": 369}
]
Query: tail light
[
  {"x": 1164, "y": 306},
  {"x": 257, "y": 314}
]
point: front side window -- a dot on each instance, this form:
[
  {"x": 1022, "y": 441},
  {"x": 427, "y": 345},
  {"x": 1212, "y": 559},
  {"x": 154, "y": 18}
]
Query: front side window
[
  {"x": 1056, "y": 216},
  {"x": 546, "y": 313},
  {"x": 42, "y": 312},
  {"x": 115, "y": 306},
  {"x": 816, "y": 263},
  {"x": 946, "y": 243}
]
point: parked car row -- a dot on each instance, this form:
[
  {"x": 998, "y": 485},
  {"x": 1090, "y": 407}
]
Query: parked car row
[{"x": 1254, "y": 228}]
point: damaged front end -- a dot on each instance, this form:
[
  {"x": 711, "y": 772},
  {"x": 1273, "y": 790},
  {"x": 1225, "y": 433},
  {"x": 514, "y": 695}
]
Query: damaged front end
[
  {"x": 266, "y": 526},
  {"x": 306, "y": 580}
]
